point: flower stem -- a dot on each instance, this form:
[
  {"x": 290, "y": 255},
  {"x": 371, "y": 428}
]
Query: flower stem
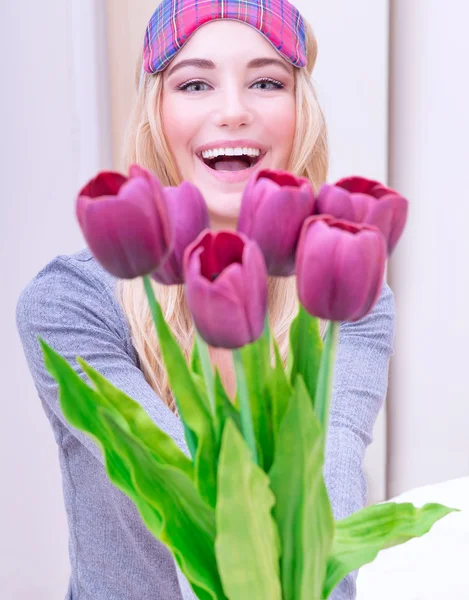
[
  {"x": 151, "y": 299},
  {"x": 326, "y": 376},
  {"x": 161, "y": 326},
  {"x": 206, "y": 370},
  {"x": 244, "y": 405}
]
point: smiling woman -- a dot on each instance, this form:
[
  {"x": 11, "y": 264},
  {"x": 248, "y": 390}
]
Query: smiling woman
[{"x": 225, "y": 92}]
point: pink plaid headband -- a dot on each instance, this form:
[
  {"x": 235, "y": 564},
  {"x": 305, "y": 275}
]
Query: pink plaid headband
[{"x": 174, "y": 21}]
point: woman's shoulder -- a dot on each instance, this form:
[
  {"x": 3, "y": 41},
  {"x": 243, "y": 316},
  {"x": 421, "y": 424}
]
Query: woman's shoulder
[
  {"x": 79, "y": 272},
  {"x": 68, "y": 269},
  {"x": 71, "y": 289}
]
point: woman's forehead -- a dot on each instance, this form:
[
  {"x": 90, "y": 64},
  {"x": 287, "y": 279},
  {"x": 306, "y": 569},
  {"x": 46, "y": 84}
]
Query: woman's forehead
[{"x": 222, "y": 40}]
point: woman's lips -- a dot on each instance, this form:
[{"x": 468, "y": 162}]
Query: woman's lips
[{"x": 232, "y": 176}]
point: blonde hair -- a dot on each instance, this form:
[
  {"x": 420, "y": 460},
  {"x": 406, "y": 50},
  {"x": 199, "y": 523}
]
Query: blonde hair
[{"x": 145, "y": 144}]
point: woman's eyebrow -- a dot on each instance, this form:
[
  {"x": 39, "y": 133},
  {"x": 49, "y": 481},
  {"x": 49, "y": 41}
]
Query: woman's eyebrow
[
  {"x": 203, "y": 63},
  {"x": 265, "y": 62}
]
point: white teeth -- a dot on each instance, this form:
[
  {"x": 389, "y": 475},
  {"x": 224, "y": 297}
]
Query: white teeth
[{"x": 213, "y": 153}]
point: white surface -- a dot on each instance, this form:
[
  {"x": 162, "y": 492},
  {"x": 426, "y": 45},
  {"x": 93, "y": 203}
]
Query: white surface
[
  {"x": 49, "y": 145},
  {"x": 432, "y": 567},
  {"x": 429, "y": 418}
]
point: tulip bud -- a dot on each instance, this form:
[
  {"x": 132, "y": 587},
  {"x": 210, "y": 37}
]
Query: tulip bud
[
  {"x": 226, "y": 288},
  {"x": 339, "y": 268},
  {"x": 125, "y": 222},
  {"x": 366, "y": 201},
  {"x": 273, "y": 209},
  {"x": 188, "y": 214}
]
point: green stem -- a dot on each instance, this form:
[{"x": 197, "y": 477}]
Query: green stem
[
  {"x": 245, "y": 405},
  {"x": 206, "y": 370},
  {"x": 326, "y": 376},
  {"x": 158, "y": 318},
  {"x": 151, "y": 299}
]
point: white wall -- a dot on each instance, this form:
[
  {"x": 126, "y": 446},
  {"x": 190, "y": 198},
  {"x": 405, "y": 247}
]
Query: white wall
[
  {"x": 429, "y": 425},
  {"x": 50, "y": 145}
]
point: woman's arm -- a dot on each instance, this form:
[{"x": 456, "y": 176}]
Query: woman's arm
[
  {"x": 77, "y": 315},
  {"x": 75, "y": 312},
  {"x": 360, "y": 385}
]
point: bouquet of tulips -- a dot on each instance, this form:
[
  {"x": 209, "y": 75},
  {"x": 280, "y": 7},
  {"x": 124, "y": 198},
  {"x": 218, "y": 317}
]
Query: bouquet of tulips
[{"x": 247, "y": 514}]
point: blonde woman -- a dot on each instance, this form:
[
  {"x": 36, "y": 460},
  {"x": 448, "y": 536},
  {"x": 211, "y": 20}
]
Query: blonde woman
[{"x": 225, "y": 90}]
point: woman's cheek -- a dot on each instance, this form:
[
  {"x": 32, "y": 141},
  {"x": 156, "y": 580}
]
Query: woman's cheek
[{"x": 282, "y": 120}]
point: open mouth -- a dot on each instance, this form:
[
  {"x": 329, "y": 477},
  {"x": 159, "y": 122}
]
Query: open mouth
[{"x": 221, "y": 161}]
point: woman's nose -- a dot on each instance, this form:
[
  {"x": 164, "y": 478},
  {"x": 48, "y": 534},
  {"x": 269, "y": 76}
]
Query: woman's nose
[{"x": 233, "y": 111}]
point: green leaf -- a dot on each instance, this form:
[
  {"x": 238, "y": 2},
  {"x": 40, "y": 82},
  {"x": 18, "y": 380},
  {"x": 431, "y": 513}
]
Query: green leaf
[
  {"x": 280, "y": 391},
  {"x": 194, "y": 407},
  {"x": 256, "y": 362},
  {"x": 80, "y": 405},
  {"x": 188, "y": 523},
  {"x": 302, "y": 510},
  {"x": 359, "y": 537},
  {"x": 162, "y": 445},
  {"x": 225, "y": 408},
  {"x": 306, "y": 348},
  {"x": 247, "y": 545},
  {"x": 196, "y": 365},
  {"x": 325, "y": 382}
]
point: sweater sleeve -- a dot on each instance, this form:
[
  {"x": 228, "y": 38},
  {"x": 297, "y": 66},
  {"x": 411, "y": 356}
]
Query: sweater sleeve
[
  {"x": 78, "y": 316},
  {"x": 359, "y": 390}
]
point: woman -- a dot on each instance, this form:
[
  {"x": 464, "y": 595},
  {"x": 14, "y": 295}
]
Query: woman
[{"x": 223, "y": 86}]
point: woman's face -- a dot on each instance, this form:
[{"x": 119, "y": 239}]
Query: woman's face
[{"x": 228, "y": 92}]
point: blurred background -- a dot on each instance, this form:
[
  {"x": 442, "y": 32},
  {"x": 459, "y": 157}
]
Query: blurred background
[{"x": 392, "y": 79}]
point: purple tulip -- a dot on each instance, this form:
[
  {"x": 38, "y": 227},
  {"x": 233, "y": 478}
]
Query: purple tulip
[
  {"x": 125, "y": 222},
  {"x": 273, "y": 209},
  {"x": 366, "y": 201},
  {"x": 339, "y": 268},
  {"x": 188, "y": 214},
  {"x": 226, "y": 288}
]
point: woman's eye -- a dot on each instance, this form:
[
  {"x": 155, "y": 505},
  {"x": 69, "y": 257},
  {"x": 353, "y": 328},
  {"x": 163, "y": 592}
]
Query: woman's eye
[
  {"x": 193, "y": 86},
  {"x": 269, "y": 84}
]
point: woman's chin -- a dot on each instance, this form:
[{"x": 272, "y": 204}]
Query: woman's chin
[{"x": 225, "y": 216}]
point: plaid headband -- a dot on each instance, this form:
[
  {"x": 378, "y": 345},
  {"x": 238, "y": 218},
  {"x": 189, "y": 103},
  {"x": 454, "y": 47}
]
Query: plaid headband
[{"x": 174, "y": 21}]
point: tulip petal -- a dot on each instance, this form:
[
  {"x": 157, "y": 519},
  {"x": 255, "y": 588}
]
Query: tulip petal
[
  {"x": 390, "y": 216},
  {"x": 255, "y": 286},
  {"x": 334, "y": 201},
  {"x": 359, "y": 264},
  {"x": 159, "y": 200},
  {"x": 106, "y": 183},
  {"x": 273, "y": 209},
  {"x": 281, "y": 178},
  {"x": 189, "y": 216},
  {"x": 226, "y": 288},
  {"x": 315, "y": 277},
  {"x": 340, "y": 268},
  {"x": 362, "y": 205},
  {"x": 110, "y": 228},
  {"x": 277, "y": 228},
  {"x": 217, "y": 312},
  {"x": 125, "y": 222},
  {"x": 361, "y": 185}
]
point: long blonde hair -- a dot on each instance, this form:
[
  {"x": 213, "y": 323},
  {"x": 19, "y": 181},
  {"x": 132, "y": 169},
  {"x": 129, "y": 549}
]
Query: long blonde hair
[{"x": 145, "y": 144}]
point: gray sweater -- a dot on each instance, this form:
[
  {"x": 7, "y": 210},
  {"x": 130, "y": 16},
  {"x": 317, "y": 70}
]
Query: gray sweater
[{"x": 71, "y": 304}]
